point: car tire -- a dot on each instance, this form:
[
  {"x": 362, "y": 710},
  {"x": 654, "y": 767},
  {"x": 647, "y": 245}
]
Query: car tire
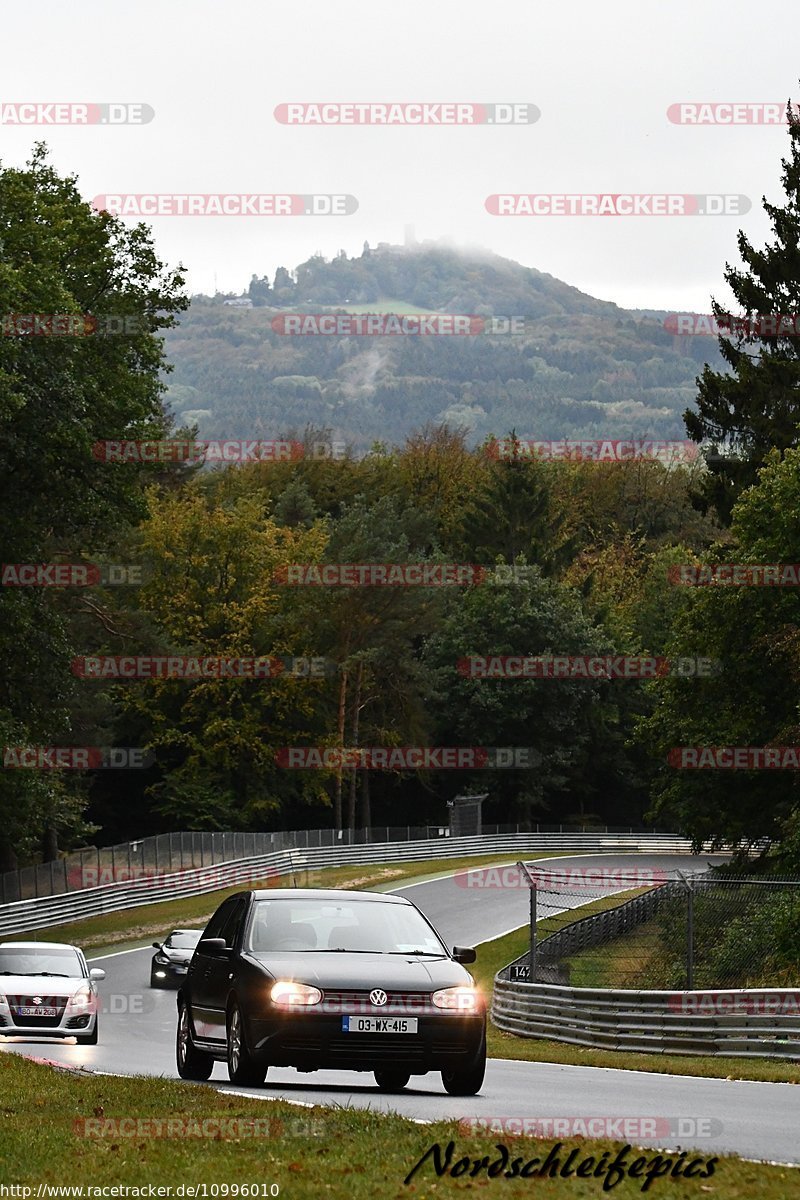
[
  {"x": 89, "y": 1039},
  {"x": 392, "y": 1081},
  {"x": 192, "y": 1063},
  {"x": 467, "y": 1081},
  {"x": 242, "y": 1067}
]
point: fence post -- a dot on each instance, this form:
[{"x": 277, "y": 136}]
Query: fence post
[
  {"x": 532, "y": 890},
  {"x": 687, "y": 883},
  {"x": 690, "y": 939}
]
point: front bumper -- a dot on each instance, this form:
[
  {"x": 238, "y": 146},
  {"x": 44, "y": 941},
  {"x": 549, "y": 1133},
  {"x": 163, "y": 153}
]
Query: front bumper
[
  {"x": 172, "y": 972},
  {"x": 311, "y": 1042},
  {"x": 66, "y": 1024}
]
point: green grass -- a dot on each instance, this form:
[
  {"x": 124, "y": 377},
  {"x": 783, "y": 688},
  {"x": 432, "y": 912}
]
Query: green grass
[
  {"x": 498, "y": 953},
  {"x": 617, "y": 963},
  {"x": 308, "y": 1152}
]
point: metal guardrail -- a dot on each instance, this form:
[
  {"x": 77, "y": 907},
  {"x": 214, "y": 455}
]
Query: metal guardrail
[
  {"x": 743, "y": 1022},
  {"x": 158, "y": 886},
  {"x": 96, "y": 865}
]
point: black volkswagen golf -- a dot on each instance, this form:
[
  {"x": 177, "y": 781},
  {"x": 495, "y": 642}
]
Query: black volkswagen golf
[{"x": 337, "y": 980}]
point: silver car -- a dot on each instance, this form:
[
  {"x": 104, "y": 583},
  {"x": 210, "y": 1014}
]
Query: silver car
[{"x": 47, "y": 990}]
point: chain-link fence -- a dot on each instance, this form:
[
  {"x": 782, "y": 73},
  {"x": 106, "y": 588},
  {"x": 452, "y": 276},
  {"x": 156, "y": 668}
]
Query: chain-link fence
[{"x": 676, "y": 931}]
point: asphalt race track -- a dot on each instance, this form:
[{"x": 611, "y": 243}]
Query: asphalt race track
[{"x": 755, "y": 1120}]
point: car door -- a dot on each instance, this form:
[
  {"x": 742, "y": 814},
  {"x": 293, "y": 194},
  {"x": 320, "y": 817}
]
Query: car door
[
  {"x": 199, "y": 983},
  {"x": 220, "y": 970}
]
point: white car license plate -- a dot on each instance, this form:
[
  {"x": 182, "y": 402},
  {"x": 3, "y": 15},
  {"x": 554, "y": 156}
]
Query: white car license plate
[
  {"x": 29, "y": 1010},
  {"x": 379, "y": 1024}
]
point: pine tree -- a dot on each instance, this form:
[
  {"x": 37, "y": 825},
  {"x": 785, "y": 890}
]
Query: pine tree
[{"x": 756, "y": 407}]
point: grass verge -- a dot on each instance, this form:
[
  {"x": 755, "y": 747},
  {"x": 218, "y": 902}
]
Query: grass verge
[
  {"x": 618, "y": 962},
  {"x": 306, "y": 1152}
]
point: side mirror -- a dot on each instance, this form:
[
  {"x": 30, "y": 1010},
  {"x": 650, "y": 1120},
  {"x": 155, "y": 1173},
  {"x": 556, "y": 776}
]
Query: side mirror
[
  {"x": 464, "y": 954},
  {"x": 97, "y": 973},
  {"x": 213, "y": 946},
  {"x": 157, "y": 946}
]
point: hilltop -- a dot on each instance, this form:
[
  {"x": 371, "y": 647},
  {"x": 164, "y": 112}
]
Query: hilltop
[{"x": 575, "y": 366}]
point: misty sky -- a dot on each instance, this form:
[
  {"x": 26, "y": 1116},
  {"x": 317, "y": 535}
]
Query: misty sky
[{"x": 602, "y": 76}]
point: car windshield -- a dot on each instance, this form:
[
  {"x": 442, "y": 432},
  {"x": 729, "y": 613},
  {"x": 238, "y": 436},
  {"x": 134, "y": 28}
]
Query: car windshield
[
  {"x": 186, "y": 940},
  {"x": 359, "y": 926},
  {"x": 27, "y": 960}
]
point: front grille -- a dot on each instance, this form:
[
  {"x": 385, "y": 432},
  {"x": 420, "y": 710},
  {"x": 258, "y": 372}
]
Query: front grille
[
  {"x": 37, "y": 1022},
  {"x": 398, "y": 1003},
  {"x": 18, "y": 1002},
  {"x": 405, "y": 1048},
  {"x": 366, "y": 1047}
]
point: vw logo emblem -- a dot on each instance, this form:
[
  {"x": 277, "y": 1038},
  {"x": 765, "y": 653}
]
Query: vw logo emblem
[
  {"x": 37, "y": 999},
  {"x": 378, "y": 996}
]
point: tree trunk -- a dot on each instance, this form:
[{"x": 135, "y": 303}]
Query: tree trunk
[
  {"x": 351, "y": 807},
  {"x": 337, "y": 796},
  {"x": 50, "y": 844},
  {"x": 366, "y": 807}
]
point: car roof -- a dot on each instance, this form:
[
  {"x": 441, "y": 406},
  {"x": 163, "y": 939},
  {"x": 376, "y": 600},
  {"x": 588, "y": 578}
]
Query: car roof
[
  {"x": 39, "y": 945},
  {"x": 326, "y": 894},
  {"x": 184, "y": 931}
]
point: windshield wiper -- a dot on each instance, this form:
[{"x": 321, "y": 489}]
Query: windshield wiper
[
  {"x": 336, "y": 950},
  {"x": 420, "y": 953},
  {"x": 53, "y": 974}
]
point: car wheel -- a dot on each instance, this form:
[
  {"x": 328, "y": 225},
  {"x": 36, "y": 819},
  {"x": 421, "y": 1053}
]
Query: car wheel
[
  {"x": 392, "y": 1081},
  {"x": 467, "y": 1081},
  {"x": 89, "y": 1039},
  {"x": 242, "y": 1067},
  {"x": 192, "y": 1063}
]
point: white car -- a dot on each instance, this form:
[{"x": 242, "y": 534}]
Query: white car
[{"x": 47, "y": 990}]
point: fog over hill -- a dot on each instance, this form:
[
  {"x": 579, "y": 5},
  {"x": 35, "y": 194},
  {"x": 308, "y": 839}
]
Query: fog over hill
[{"x": 544, "y": 358}]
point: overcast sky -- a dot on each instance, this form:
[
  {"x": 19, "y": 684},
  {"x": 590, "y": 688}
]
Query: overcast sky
[{"x": 603, "y": 77}]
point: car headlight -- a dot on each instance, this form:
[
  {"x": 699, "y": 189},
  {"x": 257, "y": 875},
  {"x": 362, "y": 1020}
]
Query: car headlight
[
  {"x": 462, "y": 998},
  {"x": 162, "y": 960},
  {"x": 81, "y": 1001},
  {"x": 290, "y": 995}
]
